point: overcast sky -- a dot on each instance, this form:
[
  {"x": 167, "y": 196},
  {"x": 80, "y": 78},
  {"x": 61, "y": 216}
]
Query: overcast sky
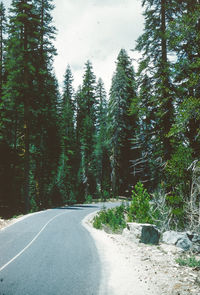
[{"x": 94, "y": 30}]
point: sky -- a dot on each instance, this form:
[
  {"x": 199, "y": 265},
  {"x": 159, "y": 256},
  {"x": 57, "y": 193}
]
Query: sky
[{"x": 94, "y": 30}]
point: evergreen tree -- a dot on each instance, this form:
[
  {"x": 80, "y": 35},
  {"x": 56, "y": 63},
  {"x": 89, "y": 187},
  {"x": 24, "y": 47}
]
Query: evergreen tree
[
  {"x": 146, "y": 167},
  {"x": 3, "y": 29},
  {"x": 186, "y": 45},
  {"x": 80, "y": 114},
  {"x": 19, "y": 89},
  {"x": 155, "y": 63},
  {"x": 122, "y": 125},
  {"x": 30, "y": 105},
  {"x": 102, "y": 147},
  {"x": 68, "y": 169},
  {"x": 87, "y": 136},
  {"x": 46, "y": 108}
]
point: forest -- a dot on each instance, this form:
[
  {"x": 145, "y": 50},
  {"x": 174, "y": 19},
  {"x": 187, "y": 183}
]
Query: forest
[{"x": 71, "y": 146}]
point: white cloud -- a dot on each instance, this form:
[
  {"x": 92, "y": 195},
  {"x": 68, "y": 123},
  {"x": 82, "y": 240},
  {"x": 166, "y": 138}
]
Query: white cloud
[{"x": 95, "y": 30}]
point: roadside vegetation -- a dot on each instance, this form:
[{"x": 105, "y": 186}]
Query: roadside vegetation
[
  {"x": 114, "y": 219},
  {"x": 138, "y": 210},
  {"x": 166, "y": 212},
  {"x": 190, "y": 261}
]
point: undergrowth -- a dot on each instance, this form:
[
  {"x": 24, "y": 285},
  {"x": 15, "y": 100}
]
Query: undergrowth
[
  {"x": 137, "y": 211},
  {"x": 113, "y": 218}
]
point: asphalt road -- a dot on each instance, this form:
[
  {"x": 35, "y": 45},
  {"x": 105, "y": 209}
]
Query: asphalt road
[{"x": 50, "y": 253}]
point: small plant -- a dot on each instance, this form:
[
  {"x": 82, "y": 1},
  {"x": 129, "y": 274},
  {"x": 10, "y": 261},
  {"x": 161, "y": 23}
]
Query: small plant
[
  {"x": 88, "y": 199},
  {"x": 113, "y": 218},
  {"x": 188, "y": 261},
  {"x": 139, "y": 209},
  {"x": 105, "y": 195}
]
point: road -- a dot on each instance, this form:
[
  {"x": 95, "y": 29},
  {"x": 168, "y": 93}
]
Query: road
[{"x": 50, "y": 253}]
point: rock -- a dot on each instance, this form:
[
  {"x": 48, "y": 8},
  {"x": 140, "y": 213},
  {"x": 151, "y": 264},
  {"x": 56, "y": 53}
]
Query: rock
[
  {"x": 144, "y": 233},
  {"x": 180, "y": 239},
  {"x": 133, "y": 232},
  {"x": 184, "y": 244},
  {"x": 196, "y": 238},
  {"x": 171, "y": 237},
  {"x": 195, "y": 248},
  {"x": 150, "y": 235}
]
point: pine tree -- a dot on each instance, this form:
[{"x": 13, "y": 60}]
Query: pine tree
[
  {"x": 3, "y": 29},
  {"x": 155, "y": 63},
  {"x": 186, "y": 45},
  {"x": 146, "y": 167},
  {"x": 87, "y": 136},
  {"x": 122, "y": 125},
  {"x": 30, "y": 104},
  {"x": 45, "y": 107},
  {"x": 18, "y": 95},
  {"x": 68, "y": 166},
  {"x": 102, "y": 146}
]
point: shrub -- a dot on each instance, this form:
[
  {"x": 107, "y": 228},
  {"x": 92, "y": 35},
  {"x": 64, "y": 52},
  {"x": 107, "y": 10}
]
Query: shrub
[
  {"x": 139, "y": 209},
  {"x": 113, "y": 218},
  {"x": 88, "y": 199}
]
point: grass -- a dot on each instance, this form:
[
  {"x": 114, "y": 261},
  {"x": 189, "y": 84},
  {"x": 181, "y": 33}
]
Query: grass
[{"x": 188, "y": 261}]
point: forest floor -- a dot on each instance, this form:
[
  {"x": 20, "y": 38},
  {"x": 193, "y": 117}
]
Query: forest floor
[{"x": 139, "y": 269}]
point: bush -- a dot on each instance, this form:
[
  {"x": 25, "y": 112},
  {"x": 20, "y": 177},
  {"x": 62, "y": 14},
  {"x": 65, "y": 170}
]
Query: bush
[
  {"x": 88, "y": 199},
  {"x": 105, "y": 195},
  {"x": 139, "y": 209},
  {"x": 113, "y": 218}
]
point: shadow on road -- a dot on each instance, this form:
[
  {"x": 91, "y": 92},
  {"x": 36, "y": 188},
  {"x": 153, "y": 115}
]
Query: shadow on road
[{"x": 76, "y": 207}]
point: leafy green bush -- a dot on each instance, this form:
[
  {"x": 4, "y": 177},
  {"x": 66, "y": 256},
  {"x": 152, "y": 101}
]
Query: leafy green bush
[
  {"x": 188, "y": 261},
  {"x": 139, "y": 209},
  {"x": 113, "y": 218}
]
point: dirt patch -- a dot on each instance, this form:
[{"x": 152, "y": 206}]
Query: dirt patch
[{"x": 134, "y": 269}]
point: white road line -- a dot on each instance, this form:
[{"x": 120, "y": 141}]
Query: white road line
[{"x": 33, "y": 240}]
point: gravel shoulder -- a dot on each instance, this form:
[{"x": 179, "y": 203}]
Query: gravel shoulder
[
  {"x": 6, "y": 222},
  {"x": 134, "y": 269}
]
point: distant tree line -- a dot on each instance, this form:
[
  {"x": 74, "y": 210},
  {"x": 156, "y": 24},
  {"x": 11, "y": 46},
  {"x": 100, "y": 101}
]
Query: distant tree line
[{"x": 65, "y": 148}]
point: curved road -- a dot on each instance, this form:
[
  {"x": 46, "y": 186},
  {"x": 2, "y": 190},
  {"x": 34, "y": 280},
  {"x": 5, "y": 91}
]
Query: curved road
[{"x": 50, "y": 253}]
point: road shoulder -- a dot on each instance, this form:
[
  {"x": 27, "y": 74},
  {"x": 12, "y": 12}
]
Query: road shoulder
[
  {"x": 134, "y": 269},
  {"x": 122, "y": 271}
]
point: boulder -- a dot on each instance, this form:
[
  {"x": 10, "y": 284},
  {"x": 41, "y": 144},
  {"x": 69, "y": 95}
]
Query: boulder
[
  {"x": 184, "y": 244},
  {"x": 171, "y": 237},
  {"x": 133, "y": 232},
  {"x": 180, "y": 239},
  {"x": 195, "y": 239},
  {"x": 144, "y": 233},
  {"x": 150, "y": 235}
]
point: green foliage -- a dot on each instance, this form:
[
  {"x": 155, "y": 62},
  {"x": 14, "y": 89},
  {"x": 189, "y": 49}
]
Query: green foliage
[
  {"x": 139, "y": 209},
  {"x": 176, "y": 171},
  {"x": 112, "y": 218},
  {"x": 105, "y": 195},
  {"x": 188, "y": 261},
  {"x": 88, "y": 199},
  {"x": 176, "y": 209}
]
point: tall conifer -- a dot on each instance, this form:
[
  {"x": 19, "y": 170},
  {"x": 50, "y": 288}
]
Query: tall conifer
[{"x": 122, "y": 124}]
